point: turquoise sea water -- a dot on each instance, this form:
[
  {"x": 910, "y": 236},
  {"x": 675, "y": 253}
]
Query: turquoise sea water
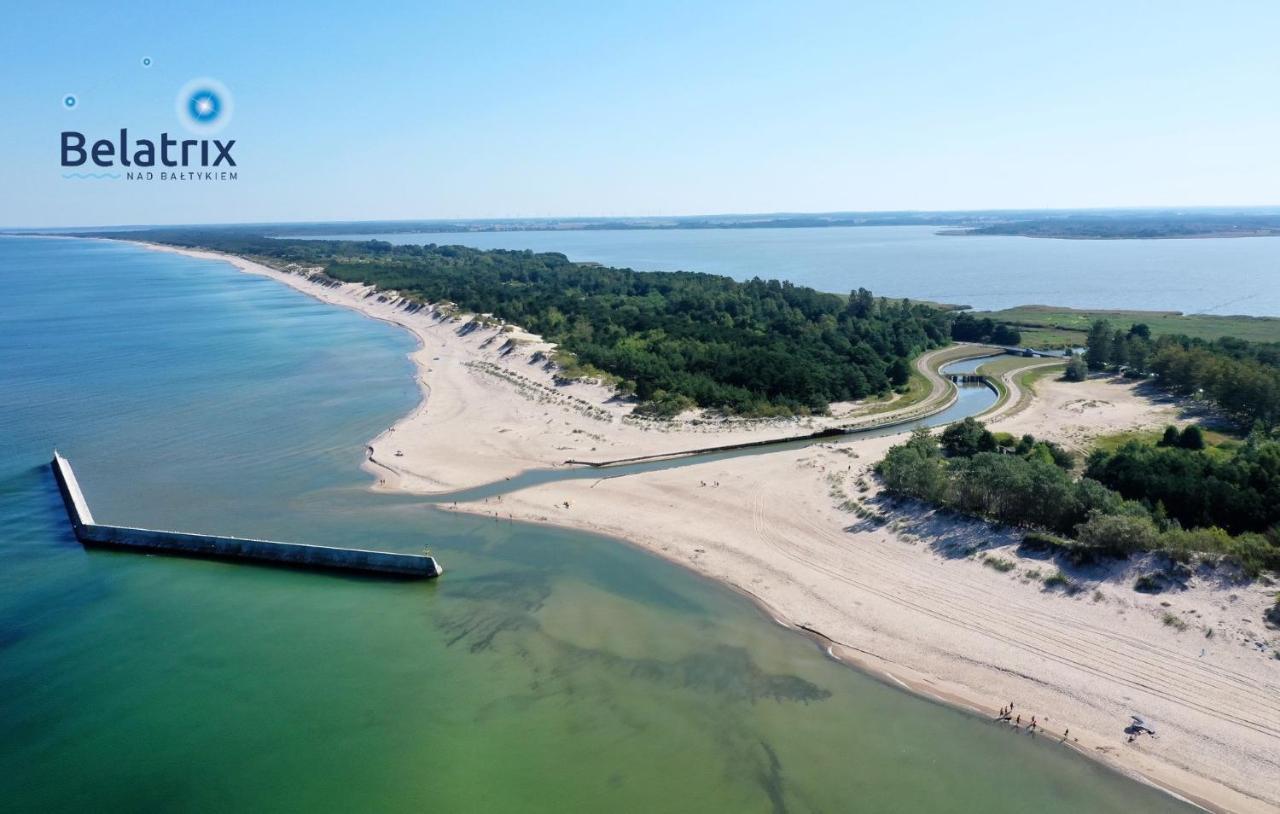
[
  {"x": 546, "y": 671},
  {"x": 1214, "y": 275}
]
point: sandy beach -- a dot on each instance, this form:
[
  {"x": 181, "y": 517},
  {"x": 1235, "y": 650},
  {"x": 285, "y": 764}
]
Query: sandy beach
[{"x": 902, "y": 592}]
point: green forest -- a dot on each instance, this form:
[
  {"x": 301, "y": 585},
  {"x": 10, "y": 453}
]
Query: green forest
[
  {"x": 1173, "y": 496},
  {"x": 674, "y": 339},
  {"x": 1238, "y": 491}
]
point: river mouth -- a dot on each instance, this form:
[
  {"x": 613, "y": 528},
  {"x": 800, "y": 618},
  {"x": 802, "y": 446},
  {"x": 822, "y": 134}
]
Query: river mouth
[{"x": 547, "y": 671}]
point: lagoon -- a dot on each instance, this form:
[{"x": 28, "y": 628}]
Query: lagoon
[{"x": 1210, "y": 275}]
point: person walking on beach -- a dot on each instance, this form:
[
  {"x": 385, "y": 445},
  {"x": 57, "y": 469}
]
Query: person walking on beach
[{"x": 1018, "y": 722}]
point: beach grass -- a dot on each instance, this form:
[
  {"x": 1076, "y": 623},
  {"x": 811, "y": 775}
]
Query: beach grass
[{"x": 1213, "y": 439}]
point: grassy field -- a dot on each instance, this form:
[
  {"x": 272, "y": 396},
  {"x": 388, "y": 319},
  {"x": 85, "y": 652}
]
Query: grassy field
[
  {"x": 1044, "y": 325},
  {"x": 1027, "y": 381},
  {"x": 916, "y": 390},
  {"x": 1214, "y": 440},
  {"x": 1002, "y": 365}
]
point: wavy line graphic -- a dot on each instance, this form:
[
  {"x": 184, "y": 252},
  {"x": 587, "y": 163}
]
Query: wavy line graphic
[{"x": 95, "y": 175}]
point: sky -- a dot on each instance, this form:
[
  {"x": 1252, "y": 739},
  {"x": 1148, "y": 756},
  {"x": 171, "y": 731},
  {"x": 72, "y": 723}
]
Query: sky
[{"x": 360, "y": 111}]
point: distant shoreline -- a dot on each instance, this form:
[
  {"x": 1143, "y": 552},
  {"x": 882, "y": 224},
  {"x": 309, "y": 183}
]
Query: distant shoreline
[
  {"x": 1196, "y": 236},
  {"x": 1105, "y": 223}
]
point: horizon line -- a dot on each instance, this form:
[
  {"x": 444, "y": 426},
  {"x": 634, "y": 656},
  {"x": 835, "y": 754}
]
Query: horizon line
[{"x": 705, "y": 216}]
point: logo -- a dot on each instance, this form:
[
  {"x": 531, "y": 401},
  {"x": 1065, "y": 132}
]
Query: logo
[{"x": 204, "y": 107}]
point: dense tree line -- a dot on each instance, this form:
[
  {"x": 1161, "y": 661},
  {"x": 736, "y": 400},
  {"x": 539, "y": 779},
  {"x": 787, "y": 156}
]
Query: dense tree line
[
  {"x": 1242, "y": 378},
  {"x": 673, "y": 338},
  {"x": 1138, "y": 226},
  {"x": 1140, "y": 498},
  {"x": 1021, "y": 490},
  {"x": 968, "y": 328},
  {"x": 969, "y": 437},
  {"x": 1238, "y": 492}
]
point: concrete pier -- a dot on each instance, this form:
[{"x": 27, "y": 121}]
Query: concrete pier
[{"x": 88, "y": 532}]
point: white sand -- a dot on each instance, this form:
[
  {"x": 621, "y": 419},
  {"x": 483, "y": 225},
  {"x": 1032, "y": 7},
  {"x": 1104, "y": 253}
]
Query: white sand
[
  {"x": 1073, "y": 414},
  {"x": 901, "y": 599}
]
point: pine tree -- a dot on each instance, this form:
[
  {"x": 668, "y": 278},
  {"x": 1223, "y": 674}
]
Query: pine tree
[
  {"x": 1119, "y": 349},
  {"x": 1191, "y": 438},
  {"x": 1098, "y": 352},
  {"x": 1077, "y": 370}
]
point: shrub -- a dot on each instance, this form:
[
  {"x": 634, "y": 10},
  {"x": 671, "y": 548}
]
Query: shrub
[
  {"x": 1060, "y": 580},
  {"x": 1272, "y": 615},
  {"x": 1074, "y": 552},
  {"x": 1043, "y": 541},
  {"x": 915, "y": 468},
  {"x": 998, "y": 563},
  {"x": 1149, "y": 584},
  {"x": 1174, "y": 621},
  {"x": 1191, "y": 438},
  {"x": 1119, "y": 534},
  {"x": 1077, "y": 370},
  {"x": 1254, "y": 554},
  {"x": 665, "y": 405},
  {"x": 967, "y": 438}
]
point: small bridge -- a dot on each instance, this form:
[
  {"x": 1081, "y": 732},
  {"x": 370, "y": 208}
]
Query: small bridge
[
  {"x": 1032, "y": 353},
  {"x": 151, "y": 541}
]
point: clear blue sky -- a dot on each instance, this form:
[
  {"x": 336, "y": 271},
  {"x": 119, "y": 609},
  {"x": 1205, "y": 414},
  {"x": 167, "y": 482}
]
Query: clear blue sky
[{"x": 430, "y": 109}]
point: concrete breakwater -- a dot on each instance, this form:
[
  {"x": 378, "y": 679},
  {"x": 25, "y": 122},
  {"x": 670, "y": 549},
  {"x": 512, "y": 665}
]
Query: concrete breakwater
[{"x": 89, "y": 532}]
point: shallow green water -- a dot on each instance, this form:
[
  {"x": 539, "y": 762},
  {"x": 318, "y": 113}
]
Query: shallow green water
[{"x": 547, "y": 671}]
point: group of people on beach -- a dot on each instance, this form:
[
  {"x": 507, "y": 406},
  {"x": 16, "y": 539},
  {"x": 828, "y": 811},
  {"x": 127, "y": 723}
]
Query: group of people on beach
[
  {"x": 1006, "y": 714},
  {"x": 1135, "y": 729}
]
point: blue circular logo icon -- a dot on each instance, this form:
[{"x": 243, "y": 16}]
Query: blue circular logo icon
[
  {"x": 146, "y": 62},
  {"x": 204, "y": 105},
  {"x": 69, "y": 101}
]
